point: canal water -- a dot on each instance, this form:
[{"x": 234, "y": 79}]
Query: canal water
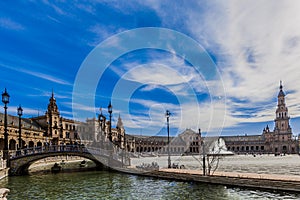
[{"x": 112, "y": 185}]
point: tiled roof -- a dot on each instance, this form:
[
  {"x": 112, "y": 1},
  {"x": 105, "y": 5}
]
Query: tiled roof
[{"x": 26, "y": 123}]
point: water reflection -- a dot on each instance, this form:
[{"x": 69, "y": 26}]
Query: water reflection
[{"x": 111, "y": 185}]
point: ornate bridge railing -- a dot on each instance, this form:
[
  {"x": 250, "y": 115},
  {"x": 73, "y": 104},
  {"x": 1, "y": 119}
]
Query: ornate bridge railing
[
  {"x": 47, "y": 149},
  {"x": 114, "y": 154}
]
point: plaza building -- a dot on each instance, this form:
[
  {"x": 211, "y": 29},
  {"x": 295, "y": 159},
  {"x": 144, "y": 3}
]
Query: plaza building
[
  {"x": 278, "y": 141},
  {"x": 187, "y": 142},
  {"x": 53, "y": 129}
]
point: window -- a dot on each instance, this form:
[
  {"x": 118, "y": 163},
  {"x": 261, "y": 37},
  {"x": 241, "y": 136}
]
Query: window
[{"x": 67, "y": 135}]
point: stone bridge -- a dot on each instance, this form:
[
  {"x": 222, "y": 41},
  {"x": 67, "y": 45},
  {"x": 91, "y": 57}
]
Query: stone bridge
[{"x": 21, "y": 160}]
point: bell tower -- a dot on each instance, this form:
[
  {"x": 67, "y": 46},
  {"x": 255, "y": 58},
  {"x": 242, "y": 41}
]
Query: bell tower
[
  {"x": 282, "y": 119},
  {"x": 53, "y": 118}
]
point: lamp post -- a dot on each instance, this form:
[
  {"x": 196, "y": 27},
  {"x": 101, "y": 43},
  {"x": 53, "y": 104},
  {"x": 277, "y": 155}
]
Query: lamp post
[
  {"x": 5, "y": 100},
  {"x": 20, "y": 113},
  {"x": 125, "y": 147},
  {"x": 168, "y": 128},
  {"x": 100, "y": 120},
  {"x": 110, "y": 112},
  {"x": 203, "y": 152},
  {"x": 122, "y": 154}
]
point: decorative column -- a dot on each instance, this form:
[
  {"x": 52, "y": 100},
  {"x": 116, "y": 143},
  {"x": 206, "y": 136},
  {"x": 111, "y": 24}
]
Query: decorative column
[
  {"x": 168, "y": 129},
  {"x": 20, "y": 113},
  {"x": 5, "y": 100}
]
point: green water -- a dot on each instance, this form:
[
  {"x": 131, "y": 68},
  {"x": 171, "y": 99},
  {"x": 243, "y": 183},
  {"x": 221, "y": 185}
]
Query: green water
[{"x": 112, "y": 185}]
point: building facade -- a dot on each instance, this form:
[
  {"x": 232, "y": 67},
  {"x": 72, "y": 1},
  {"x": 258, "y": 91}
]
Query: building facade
[
  {"x": 187, "y": 142},
  {"x": 278, "y": 141},
  {"x": 53, "y": 129}
]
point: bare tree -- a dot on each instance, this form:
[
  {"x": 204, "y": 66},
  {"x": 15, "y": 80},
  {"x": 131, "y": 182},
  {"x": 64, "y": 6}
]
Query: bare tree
[{"x": 216, "y": 151}]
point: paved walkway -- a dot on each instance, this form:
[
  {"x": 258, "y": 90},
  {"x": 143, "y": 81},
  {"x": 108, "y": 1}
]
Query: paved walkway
[{"x": 238, "y": 175}]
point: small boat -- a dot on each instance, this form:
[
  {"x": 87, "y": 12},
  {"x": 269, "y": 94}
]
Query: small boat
[
  {"x": 83, "y": 163},
  {"x": 56, "y": 168}
]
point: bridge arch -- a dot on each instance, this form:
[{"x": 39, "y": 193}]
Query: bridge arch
[
  {"x": 21, "y": 160},
  {"x": 20, "y": 166}
]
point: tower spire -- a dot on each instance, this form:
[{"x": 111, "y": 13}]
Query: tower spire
[
  {"x": 281, "y": 93},
  {"x": 120, "y": 123},
  {"x": 52, "y": 95}
]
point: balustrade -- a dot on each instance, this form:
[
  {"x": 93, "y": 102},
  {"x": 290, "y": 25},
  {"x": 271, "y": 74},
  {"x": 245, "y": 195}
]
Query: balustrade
[{"x": 117, "y": 155}]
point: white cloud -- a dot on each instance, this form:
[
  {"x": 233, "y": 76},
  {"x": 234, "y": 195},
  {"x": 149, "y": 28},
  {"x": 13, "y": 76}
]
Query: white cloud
[
  {"x": 26, "y": 111},
  {"x": 209, "y": 116},
  {"x": 38, "y": 74},
  {"x": 10, "y": 24},
  {"x": 157, "y": 73},
  {"x": 256, "y": 44}
]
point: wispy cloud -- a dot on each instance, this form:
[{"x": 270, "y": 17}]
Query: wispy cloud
[
  {"x": 46, "y": 77},
  {"x": 254, "y": 47},
  {"x": 10, "y": 24},
  {"x": 102, "y": 32},
  {"x": 37, "y": 74},
  {"x": 27, "y": 112},
  {"x": 56, "y": 8}
]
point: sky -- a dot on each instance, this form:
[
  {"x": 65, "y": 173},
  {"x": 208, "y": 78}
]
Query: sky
[{"x": 226, "y": 85}]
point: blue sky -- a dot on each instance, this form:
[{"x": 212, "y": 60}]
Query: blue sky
[{"x": 43, "y": 45}]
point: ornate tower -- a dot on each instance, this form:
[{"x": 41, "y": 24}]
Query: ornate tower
[
  {"x": 53, "y": 118},
  {"x": 282, "y": 119}
]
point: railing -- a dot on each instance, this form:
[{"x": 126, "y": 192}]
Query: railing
[
  {"x": 48, "y": 149},
  {"x": 114, "y": 154}
]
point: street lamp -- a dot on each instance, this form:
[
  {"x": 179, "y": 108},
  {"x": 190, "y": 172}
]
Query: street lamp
[
  {"x": 203, "y": 152},
  {"x": 20, "y": 113},
  {"x": 101, "y": 119},
  {"x": 168, "y": 128},
  {"x": 110, "y": 112},
  {"x": 5, "y": 100}
]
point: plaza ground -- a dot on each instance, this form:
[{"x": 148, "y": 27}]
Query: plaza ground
[{"x": 258, "y": 164}]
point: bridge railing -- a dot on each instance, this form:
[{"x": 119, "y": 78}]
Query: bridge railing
[
  {"x": 47, "y": 149},
  {"x": 115, "y": 154}
]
